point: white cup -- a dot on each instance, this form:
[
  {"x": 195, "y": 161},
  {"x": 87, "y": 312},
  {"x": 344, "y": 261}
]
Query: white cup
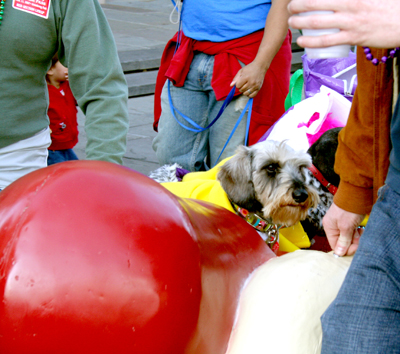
[{"x": 337, "y": 51}]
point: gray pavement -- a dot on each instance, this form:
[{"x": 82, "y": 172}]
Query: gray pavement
[{"x": 136, "y": 24}]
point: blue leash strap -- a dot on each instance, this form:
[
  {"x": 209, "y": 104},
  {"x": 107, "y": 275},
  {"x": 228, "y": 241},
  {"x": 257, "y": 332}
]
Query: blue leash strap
[
  {"x": 197, "y": 128},
  {"x": 248, "y": 106}
]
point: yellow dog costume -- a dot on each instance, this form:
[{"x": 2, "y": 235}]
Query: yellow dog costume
[{"x": 205, "y": 186}]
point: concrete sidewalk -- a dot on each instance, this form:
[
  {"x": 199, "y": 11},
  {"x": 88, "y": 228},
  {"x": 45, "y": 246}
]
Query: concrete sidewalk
[{"x": 136, "y": 24}]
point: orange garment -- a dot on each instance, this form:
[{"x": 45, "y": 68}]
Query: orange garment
[{"x": 362, "y": 158}]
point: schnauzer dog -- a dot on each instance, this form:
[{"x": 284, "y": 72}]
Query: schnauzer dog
[{"x": 271, "y": 180}]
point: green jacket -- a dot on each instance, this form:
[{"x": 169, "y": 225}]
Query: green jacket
[{"x": 78, "y": 31}]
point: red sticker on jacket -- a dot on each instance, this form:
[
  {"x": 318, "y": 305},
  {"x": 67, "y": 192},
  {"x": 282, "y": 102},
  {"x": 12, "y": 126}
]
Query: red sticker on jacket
[{"x": 35, "y": 7}]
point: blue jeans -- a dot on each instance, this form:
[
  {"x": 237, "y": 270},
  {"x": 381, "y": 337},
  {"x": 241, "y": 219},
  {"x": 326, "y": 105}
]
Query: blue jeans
[
  {"x": 196, "y": 99},
  {"x": 56, "y": 156},
  {"x": 365, "y": 316}
]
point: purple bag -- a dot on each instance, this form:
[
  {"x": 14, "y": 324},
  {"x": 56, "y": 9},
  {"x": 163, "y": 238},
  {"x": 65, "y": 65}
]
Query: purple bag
[{"x": 339, "y": 74}]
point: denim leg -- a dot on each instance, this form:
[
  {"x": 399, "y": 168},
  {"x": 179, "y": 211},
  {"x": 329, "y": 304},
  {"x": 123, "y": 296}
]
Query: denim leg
[
  {"x": 56, "y": 156},
  {"x": 174, "y": 143},
  {"x": 365, "y": 316},
  {"x": 196, "y": 100},
  {"x": 220, "y": 131}
]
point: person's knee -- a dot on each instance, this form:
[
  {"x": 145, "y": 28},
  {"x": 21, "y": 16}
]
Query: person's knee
[
  {"x": 161, "y": 152},
  {"x": 163, "y": 159}
]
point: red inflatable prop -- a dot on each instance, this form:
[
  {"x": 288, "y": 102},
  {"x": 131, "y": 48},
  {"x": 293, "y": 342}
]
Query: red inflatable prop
[{"x": 96, "y": 258}]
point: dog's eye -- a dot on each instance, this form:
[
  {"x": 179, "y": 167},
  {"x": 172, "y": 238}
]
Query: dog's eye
[{"x": 271, "y": 168}]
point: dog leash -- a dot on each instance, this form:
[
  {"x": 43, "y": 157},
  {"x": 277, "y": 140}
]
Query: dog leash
[
  {"x": 197, "y": 128},
  {"x": 318, "y": 175},
  {"x": 178, "y": 6}
]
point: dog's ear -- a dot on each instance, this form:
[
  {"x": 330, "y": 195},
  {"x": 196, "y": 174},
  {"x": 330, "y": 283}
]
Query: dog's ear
[{"x": 235, "y": 177}]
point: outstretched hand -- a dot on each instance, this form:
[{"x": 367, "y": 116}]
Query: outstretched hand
[
  {"x": 365, "y": 22},
  {"x": 341, "y": 228},
  {"x": 249, "y": 79}
]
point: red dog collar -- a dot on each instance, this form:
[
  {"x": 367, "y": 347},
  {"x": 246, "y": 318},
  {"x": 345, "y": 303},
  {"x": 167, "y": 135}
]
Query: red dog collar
[{"x": 318, "y": 175}]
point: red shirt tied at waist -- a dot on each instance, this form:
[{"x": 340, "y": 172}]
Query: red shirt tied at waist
[
  {"x": 268, "y": 105},
  {"x": 63, "y": 117}
]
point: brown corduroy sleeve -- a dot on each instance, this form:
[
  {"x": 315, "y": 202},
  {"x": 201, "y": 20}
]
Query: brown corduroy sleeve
[{"x": 362, "y": 157}]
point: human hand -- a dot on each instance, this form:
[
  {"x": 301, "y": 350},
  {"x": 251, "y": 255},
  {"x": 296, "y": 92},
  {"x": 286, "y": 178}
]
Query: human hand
[
  {"x": 249, "y": 79},
  {"x": 371, "y": 23},
  {"x": 341, "y": 228}
]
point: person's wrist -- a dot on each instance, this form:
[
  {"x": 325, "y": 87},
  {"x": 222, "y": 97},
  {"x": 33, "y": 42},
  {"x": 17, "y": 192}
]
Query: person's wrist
[{"x": 262, "y": 65}]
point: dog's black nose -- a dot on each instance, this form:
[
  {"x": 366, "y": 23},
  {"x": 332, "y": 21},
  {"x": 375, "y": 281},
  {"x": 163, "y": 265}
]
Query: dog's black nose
[{"x": 299, "y": 195}]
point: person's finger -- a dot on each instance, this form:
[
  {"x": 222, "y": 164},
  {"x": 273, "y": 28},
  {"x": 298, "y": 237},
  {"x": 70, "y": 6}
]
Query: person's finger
[
  {"x": 328, "y": 40},
  {"x": 297, "y": 6},
  {"x": 253, "y": 93},
  {"x": 332, "y": 240},
  {"x": 242, "y": 85},
  {"x": 331, "y": 229},
  {"x": 353, "y": 248},
  {"x": 356, "y": 240},
  {"x": 247, "y": 92},
  {"x": 343, "y": 243},
  {"x": 241, "y": 80},
  {"x": 235, "y": 79},
  {"x": 318, "y": 21}
]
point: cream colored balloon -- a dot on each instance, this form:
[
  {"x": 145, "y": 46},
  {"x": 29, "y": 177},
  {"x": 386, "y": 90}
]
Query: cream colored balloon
[{"x": 281, "y": 304}]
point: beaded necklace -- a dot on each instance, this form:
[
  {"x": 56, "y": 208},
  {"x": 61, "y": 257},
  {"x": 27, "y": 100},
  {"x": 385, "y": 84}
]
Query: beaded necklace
[
  {"x": 2, "y": 2},
  {"x": 376, "y": 61}
]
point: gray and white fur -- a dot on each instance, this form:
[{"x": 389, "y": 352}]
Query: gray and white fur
[
  {"x": 271, "y": 179},
  {"x": 322, "y": 153}
]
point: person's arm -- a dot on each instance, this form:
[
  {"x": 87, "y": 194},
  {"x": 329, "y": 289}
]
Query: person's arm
[
  {"x": 250, "y": 78},
  {"x": 365, "y": 22},
  {"x": 356, "y": 158},
  {"x": 87, "y": 48}
]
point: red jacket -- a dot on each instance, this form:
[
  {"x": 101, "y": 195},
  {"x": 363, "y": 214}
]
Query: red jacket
[
  {"x": 268, "y": 105},
  {"x": 63, "y": 117}
]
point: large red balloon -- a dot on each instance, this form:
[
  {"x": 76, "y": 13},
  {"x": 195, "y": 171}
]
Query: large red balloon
[{"x": 96, "y": 258}]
